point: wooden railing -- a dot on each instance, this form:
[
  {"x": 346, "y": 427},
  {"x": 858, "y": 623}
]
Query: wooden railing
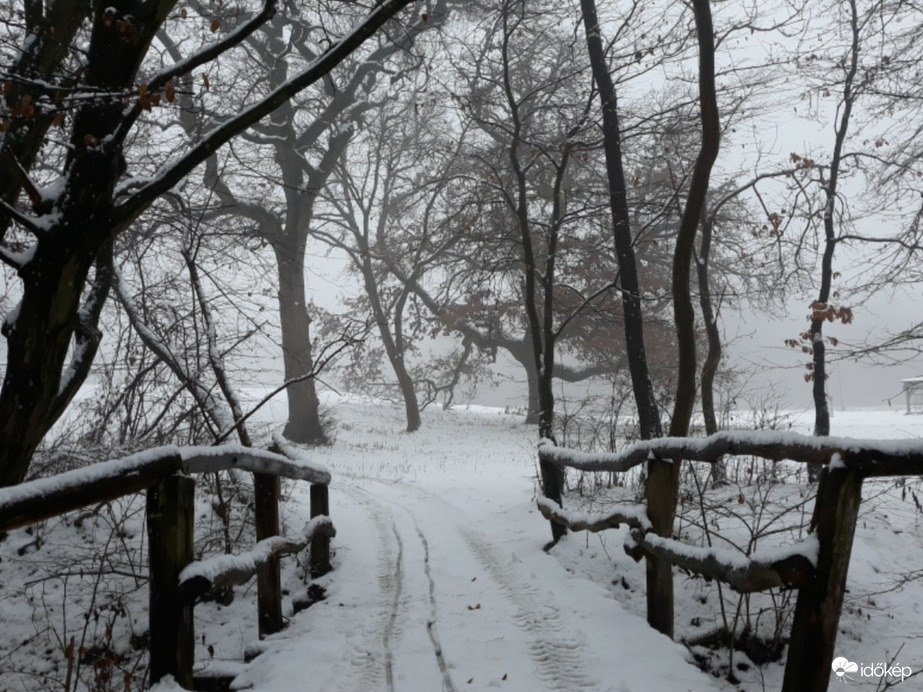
[
  {"x": 167, "y": 476},
  {"x": 817, "y": 567}
]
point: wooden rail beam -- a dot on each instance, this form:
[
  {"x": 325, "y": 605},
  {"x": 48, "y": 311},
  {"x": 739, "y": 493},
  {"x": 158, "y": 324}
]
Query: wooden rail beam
[
  {"x": 874, "y": 458},
  {"x": 44, "y": 498},
  {"x": 27, "y": 503}
]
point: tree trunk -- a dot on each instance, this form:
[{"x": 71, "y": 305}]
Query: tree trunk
[
  {"x": 820, "y": 307},
  {"x": 304, "y": 424},
  {"x": 819, "y": 372},
  {"x": 642, "y": 386},
  {"x": 40, "y": 336},
  {"x": 713, "y": 356},
  {"x": 533, "y": 403},
  {"x": 37, "y": 347},
  {"x": 409, "y": 394},
  {"x": 684, "y": 313},
  {"x": 659, "y": 572},
  {"x": 664, "y": 478},
  {"x": 393, "y": 343},
  {"x": 537, "y": 282}
]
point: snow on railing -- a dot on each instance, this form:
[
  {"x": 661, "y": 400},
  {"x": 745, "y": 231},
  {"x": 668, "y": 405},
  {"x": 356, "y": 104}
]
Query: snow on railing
[
  {"x": 221, "y": 571},
  {"x": 874, "y": 458},
  {"x": 816, "y": 565},
  {"x": 40, "y": 499},
  {"x": 166, "y": 473}
]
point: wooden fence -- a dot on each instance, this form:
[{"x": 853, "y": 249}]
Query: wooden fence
[
  {"x": 817, "y": 567},
  {"x": 167, "y": 476}
]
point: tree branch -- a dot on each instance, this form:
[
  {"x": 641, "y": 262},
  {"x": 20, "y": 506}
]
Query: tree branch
[
  {"x": 128, "y": 210},
  {"x": 206, "y": 55},
  {"x": 27, "y": 222},
  {"x": 319, "y": 366}
]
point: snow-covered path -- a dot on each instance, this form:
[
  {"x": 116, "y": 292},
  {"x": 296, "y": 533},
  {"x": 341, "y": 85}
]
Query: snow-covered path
[
  {"x": 441, "y": 584},
  {"x": 468, "y": 594}
]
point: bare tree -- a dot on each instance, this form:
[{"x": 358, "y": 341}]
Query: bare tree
[
  {"x": 387, "y": 180},
  {"x": 663, "y": 477},
  {"x": 295, "y": 151},
  {"x": 71, "y": 226}
]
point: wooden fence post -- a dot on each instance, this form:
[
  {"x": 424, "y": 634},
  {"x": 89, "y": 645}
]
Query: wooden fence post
[
  {"x": 817, "y": 612},
  {"x": 268, "y": 578},
  {"x": 552, "y": 486},
  {"x": 553, "y": 489},
  {"x": 170, "y": 513},
  {"x": 320, "y": 545},
  {"x": 660, "y": 492}
]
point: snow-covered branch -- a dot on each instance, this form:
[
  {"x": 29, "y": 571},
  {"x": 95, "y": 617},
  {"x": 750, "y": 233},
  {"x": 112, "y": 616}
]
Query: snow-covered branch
[
  {"x": 186, "y": 65},
  {"x": 213, "y": 51},
  {"x": 29, "y": 223},
  {"x": 16, "y": 260}
]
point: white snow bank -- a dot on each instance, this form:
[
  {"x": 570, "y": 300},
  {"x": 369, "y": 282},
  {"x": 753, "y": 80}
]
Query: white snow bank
[
  {"x": 167, "y": 684},
  {"x": 809, "y": 547}
]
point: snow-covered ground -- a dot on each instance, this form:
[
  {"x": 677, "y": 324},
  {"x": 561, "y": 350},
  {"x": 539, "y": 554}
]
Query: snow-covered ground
[{"x": 441, "y": 583}]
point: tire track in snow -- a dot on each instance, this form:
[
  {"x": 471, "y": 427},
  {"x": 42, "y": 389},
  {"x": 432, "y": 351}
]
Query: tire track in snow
[
  {"x": 447, "y": 684},
  {"x": 556, "y": 654},
  {"x": 371, "y": 660}
]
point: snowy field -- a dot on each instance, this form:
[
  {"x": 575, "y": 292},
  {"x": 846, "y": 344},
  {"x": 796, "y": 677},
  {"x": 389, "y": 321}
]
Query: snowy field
[{"x": 440, "y": 581}]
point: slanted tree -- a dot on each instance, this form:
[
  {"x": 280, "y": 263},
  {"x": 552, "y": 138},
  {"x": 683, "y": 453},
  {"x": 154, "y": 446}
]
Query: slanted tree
[{"x": 864, "y": 78}]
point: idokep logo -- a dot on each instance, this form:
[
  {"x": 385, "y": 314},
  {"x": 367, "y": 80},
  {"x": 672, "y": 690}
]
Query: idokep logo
[
  {"x": 845, "y": 670},
  {"x": 842, "y": 666}
]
